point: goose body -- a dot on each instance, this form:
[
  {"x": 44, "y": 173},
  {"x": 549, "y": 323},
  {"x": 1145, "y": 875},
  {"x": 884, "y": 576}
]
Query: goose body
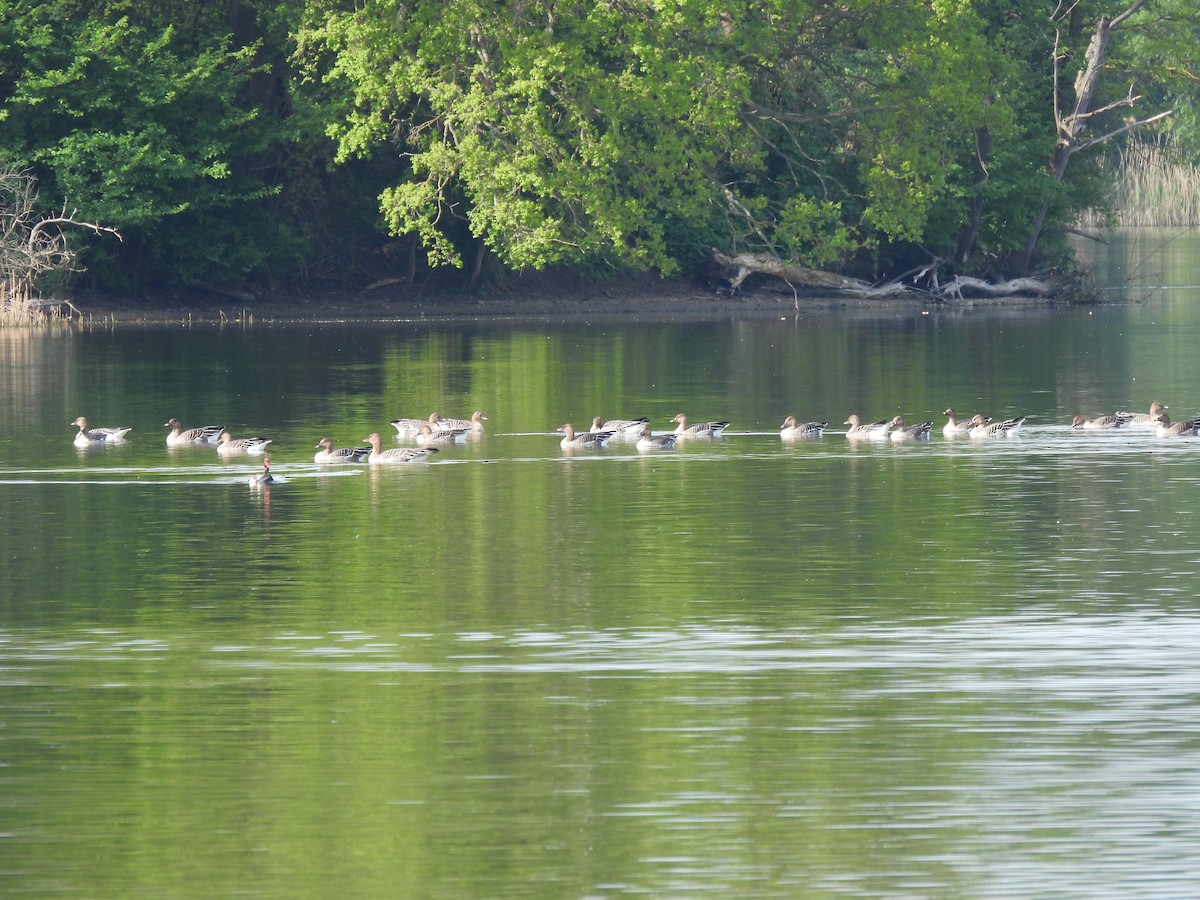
[
  {"x": 1090, "y": 424},
  {"x": 412, "y": 427},
  {"x": 396, "y": 454},
  {"x": 180, "y": 437},
  {"x": 699, "y": 429},
  {"x": 327, "y": 453},
  {"x": 1147, "y": 420},
  {"x": 230, "y": 446},
  {"x": 647, "y": 440},
  {"x": 902, "y": 432},
  {"x": 98, "y": 437},
  {"x": 871, "y": 431},
  {"x": 983, "y": 428},
  {"x": 473, "y": 426},
  {"x": 619, "y": 427},
  {"x": 792, "y": 430},
  {"x": 427, "y": 436},
  {"x": 1167, "y": 428}
]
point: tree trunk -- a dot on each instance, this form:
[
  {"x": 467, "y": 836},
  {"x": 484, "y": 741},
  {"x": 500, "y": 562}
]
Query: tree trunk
[
  {"x": 1072, "y": 126},
  {"x": 983, "y": 150},
  {"x": 477, "y": 268}
]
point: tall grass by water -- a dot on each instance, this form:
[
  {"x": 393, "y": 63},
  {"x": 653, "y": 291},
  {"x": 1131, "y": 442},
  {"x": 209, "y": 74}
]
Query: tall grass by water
[
  {"x": 1153, "y": 186},
  {"x": 20, "y": 308}
]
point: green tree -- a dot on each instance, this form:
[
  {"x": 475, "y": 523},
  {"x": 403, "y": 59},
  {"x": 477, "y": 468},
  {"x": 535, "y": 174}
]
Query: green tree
[
  {"x": 551, "y": 132},
  {"x": 178, "y": 123},
  {"x": 129, "y": 125},
  {"x": 825, "y": 131}
]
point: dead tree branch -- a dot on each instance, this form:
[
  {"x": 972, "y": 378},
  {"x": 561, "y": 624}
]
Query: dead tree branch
[
  {"x": 33, "y": 245},
  {"x": 830, "y": 283}
]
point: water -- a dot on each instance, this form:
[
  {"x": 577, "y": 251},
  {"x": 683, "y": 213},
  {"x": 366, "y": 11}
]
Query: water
[{"x": 744, "y": 668}]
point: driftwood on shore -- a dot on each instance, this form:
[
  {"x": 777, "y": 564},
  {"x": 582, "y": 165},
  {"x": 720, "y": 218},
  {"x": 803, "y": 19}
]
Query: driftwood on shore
[
  {"x": 800, "y": 278},
  {"x": 963, "y": 286}
]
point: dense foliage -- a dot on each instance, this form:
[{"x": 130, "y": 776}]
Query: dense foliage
[{"x": 274, "y": 142}]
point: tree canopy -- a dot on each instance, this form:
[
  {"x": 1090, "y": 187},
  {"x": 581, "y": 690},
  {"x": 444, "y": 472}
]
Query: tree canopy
[{"x": 283, "y": 141}]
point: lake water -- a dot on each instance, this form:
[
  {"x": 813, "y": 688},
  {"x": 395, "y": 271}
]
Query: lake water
[{"x": 955, "y": 668}]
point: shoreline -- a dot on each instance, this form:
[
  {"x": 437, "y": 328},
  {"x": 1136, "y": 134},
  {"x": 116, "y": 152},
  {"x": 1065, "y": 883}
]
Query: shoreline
[{"x": 638, "y": 300}]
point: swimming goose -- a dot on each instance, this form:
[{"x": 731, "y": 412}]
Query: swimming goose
[
  {"x": 791, "y": 429},
  {"x": 589, "y": 439},
  {"x": 412, "y": 427},
  {"x": 902, "y": 432},
  {"x": 619, "y": 427},
  {"x": 1149, "y": 420},
  {"x": 396, "y": 454},
  {"x": 647, "y": 440},
  {"x": 98, "y": 437},
  {"x": 473, "y": 426},
  {"x": 1167, "y": 429},
  {"x": 263, "y": 477},
  {"x": 327, "y": 454},
  {"x": 955, "y": 426},
  {"x": 700, "y": 429},
  {"x": 876, "y": 431},
  {"x": 1114, "y": 421},
  {"x": 228, "y": 446},
  {"x": 981, "y": 427},
  {"x": 427, "y": 436},
  {"x": 205, "y": 434}
]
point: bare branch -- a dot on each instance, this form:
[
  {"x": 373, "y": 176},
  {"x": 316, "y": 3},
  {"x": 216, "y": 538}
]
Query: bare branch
[
  {"x": 68, "y": 219},
  {"x": 1129, "y": 11},
  {"x": 33, "y": 246},
  {"x": 1128, "y": 100},
  {"x": 1128, "y": 126}
]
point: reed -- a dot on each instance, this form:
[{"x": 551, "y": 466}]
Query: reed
[
  {"x": 1151, "y": 186},
  {"x": 20, "y": 309}
]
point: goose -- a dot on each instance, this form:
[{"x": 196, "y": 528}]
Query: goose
[
  {"x": 263, "y": 477},
  {"x": 589, "y": 439},
  {"x": 647, "y": 440},
  {"x": 228, "y": 446},
  {"x": 327, "y": 454},
  {"x": 1149, "y": 420},
  {"x": 473, "y": 426},
  {"x": 791, "y": 429},
  {"x": 700, "y": 429},
  {"x": 396, "y": 454},
  {"x": 955, "y": 426},
  {"x": 98, "y": 437},
  {"x": 983, "y": 428},
  {"x": 875, "y": 431},
  {"x": 902, "y": 432},
  {"x": 427, "y": 436},
  {"x": 205, "y": 434},
  {"x": 1113, "y": 421},
  {"x": 411, "y": 427},
  {"x": 1168, "y": 429},
  {"x": 623, "y": 427}
]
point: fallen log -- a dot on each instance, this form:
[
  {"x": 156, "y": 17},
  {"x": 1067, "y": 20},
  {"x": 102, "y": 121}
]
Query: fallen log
[
  {"x": 797, "y": 276},
  {"x": 961, "y": 287},
  {"x": 386, "y": 282}
]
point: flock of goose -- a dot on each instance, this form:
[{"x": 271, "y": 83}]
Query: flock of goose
[
  {"x": 979, "y": 426},
  {"x": 428, "y": 433}
]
